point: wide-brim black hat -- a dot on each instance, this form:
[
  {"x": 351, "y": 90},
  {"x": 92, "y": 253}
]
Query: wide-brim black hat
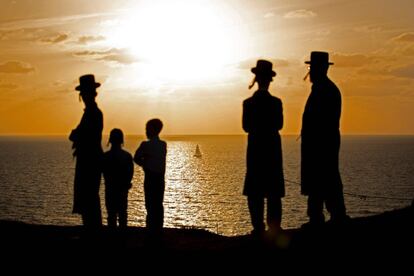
[
  {"x": 319, "y": 58},
  {"x": 87, "y": 81},
  {"x": 263, "y": 68}
]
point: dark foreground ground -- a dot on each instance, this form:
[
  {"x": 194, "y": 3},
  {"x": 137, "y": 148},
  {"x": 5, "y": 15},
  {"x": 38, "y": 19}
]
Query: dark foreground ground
[{"x": 387, "y": 236}]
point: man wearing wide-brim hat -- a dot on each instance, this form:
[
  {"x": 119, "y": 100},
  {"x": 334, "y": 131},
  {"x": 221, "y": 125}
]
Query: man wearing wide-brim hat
[
  {"x": 264, "y": 180},
  {"x": 320, "y": 135},
  {"x": 86, "y": 138}
]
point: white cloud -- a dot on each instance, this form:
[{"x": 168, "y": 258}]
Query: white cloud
[
  {"x": 120, "y": 56},
  {"x": 16, "y": 67},
  {"x": 49, "y": 21},
  {"x": 56, "y": 39},
  {"x": 351, "y": 60},
  {"x": 89, "y": 39},
  {"x": 404, "y": 72},
  {"x": 300, "y": 14},
  {"x": 369, "y": 29},
  {"x": 404, "y": 37}
]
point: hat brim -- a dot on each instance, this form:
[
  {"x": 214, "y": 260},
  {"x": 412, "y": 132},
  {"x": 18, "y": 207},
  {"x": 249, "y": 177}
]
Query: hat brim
[
  {"x": 254, "y": 71},
  {"x": 79, "y": 87},
  {"x": 309, "y": 62}
]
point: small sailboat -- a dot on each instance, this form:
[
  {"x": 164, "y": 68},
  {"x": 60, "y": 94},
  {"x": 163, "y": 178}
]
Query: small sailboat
[{"x": 197, "y": 152}]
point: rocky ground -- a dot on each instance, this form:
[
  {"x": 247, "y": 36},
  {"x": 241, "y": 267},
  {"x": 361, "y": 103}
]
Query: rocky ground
[{"x": 387, "y": 236}]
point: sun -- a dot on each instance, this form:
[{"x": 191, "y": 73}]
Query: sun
[{"x": 180, "y": 41}]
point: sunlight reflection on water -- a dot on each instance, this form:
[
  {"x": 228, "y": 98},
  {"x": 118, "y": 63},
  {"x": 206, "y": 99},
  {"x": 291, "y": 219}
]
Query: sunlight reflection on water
[{"x": 36, "y": 180}]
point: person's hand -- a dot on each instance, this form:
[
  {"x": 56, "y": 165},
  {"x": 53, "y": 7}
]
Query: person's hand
[{"x": 73, "y": 135}]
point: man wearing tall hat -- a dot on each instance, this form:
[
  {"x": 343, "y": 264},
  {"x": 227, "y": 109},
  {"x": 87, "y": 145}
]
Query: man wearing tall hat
[
  {"x": 86, "y": 138},
  {"x": 320, "y": 135},
  {"x": 262, "y": 120}
]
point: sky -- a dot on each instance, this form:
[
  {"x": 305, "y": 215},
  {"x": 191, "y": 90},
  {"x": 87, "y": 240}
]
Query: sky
[{"x": 188, "y": 62}]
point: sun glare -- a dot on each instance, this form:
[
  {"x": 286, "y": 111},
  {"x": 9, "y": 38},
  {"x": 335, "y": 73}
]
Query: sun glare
[{"x": 180, "y": 41}]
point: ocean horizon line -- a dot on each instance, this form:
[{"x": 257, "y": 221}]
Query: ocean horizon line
[{"x": 199, "y": 135}]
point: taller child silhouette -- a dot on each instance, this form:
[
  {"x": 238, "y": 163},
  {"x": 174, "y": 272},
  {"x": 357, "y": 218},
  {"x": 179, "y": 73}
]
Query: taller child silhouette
[
  {"x": 151, "y": 156},
  {"x": 262, "y": 120},
  {"x": 86, "y": 138}
]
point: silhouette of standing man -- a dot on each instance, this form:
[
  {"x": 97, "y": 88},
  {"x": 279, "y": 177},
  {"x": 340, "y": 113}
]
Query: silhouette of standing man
[
  {"x": 86, "y": 138},
  {"x": 262, "y": 120},
  {"x": 320, "y": 177}
]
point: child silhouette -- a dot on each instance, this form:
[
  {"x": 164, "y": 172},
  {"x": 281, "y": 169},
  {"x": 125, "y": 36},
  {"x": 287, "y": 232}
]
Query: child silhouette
[
  {"x": 118, "y": 169},
  {"x": 151, "y": 156}
]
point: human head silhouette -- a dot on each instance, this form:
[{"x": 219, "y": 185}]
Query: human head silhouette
[
  {"x": 318, "y": 65},
  {"x": 116, "y": 137},
  {"x": 153, "y": 128},
  {"x": 87, "y": 88},
  {"x": 263, "y": 73}
]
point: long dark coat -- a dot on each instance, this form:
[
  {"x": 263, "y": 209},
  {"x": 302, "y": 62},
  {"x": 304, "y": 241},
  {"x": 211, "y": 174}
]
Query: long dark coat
[
  {"x": 321, "y": 140},
  {"x": 262, "y": 120},
  {"x": 86, "y": 140}
]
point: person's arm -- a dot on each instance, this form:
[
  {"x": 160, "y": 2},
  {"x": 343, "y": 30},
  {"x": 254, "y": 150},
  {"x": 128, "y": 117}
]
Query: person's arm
[
  {"x": 139, "y": 155},
  {"x": 89, "y": 130},
  {"x": 76, "y": 132},
  {"x": 165, "y": 153},
  {"x": 105, "y": 166},
  {"x": 73, "y": 135},
  {"x": 246, "y": 121},
  {"x": 92, "y": 131},
  {"x": 279, "y": 116},
  {"x": 332, "y": 107},
  {"x": 130, "y": 168}
]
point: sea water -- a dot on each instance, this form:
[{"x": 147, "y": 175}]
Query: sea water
[{"x": 36, "y": 180}]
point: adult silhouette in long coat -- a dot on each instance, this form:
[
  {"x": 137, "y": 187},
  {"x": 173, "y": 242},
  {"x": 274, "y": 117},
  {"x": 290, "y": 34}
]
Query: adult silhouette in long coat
[
  {"x": 86, "y": 138},
  {"x": 262, "y": 120},
  {"x": 320, "y": 135}
]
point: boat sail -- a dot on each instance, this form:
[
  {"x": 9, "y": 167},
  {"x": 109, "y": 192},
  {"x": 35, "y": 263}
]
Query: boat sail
[{"x": 197, "y": 152}]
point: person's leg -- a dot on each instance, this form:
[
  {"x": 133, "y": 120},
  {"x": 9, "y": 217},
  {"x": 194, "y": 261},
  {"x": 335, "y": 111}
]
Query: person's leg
[
  {"x": 85, "y": 220},
  {"x": 158, "y": 215},
  {"x": 91, "y": 215},
  {"x": 95, "y": 201},
  {"x": 91, "y": 226},
  {"x": 256, "y": 209},
  {"x": 335, "y": 205},
  {"x": 274, "y": 213},
  {"x": 97, "y": 217},
  {"x": 159, "y": 186},
  {"x": 315, "y": 209},
  {"x": 154, "y": 196},
  {"x": 110, "y": 204},
  {"x": 111, "y": 218},
  {"x": 149, "y": 201},
  {"x": 123, "y": 213}
]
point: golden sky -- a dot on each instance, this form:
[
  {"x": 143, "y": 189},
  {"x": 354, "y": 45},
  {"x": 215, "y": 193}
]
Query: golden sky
[{"x": 188, "y": 62}]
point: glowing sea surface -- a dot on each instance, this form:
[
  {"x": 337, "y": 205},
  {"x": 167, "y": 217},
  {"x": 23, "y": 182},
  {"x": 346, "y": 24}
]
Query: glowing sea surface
[{"x": 36, "y": 180}]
